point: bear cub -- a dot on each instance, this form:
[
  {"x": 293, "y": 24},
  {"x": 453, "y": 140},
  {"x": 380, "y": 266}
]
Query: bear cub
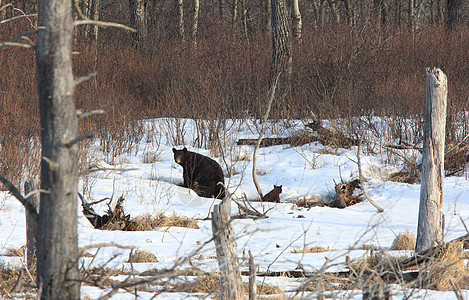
[
  {"x": 273, "y": 195},
  {"x": 201, "y": 173}
]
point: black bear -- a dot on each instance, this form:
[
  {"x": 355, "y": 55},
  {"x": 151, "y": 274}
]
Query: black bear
[
  {"x": 273, "y": 195},
  {"x": 201, "y": 173}
]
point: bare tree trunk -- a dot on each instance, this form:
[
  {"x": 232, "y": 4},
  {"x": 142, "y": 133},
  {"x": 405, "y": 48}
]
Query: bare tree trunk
[
  {"x": 335, "y": 11},
  {"x": 139, "y": 20},
  {"x": 195, "y": 22},
  {"x": 431, "y": 218},
  {"x": 452, "y": 8},
  {"x": 180, "y": 10},
  {"x": 95, "y": 16},
  {"x": 57, "y": 253},
  {"x": 244, "y": 18},
  {"x": 220, "y": 9},
  {"x": 227, "y": 255},
  {"x": 252, "y": 278},
  {"x": 234, "y": 11},
  {"x": 281, "y": 44},
  {"x": 297, "y": 23},
  {"x": 411, "y": 9},
  {"x": 268, "y": 20},
  {"x": 31, "y": 223}
]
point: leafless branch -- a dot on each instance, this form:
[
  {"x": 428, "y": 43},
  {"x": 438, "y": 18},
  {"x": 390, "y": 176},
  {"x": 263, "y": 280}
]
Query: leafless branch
[
  {"x": 362, "y": 178},
  {"x": 17, "y": 194},
  {"x": 17, "y": 17},
  {"x": 81, "y": 79},
  {"x": 85, "y": 114},
  {"x": 103, "y": 24},
  {"x": 254, "y": 156}
]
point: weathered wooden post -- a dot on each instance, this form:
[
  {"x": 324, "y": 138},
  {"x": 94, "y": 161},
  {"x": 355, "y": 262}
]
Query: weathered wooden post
[
  {"x": 227, "y": 255},
  {"x": 31, "y": 222},
  {"x": 431, "y": 218}
]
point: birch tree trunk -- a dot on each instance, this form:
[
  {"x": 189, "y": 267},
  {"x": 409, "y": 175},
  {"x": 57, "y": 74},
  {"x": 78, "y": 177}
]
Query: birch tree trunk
[
  {"x": 180, "y": 11},
  {"x": 57, "y": 253},
  {"x": 411, "y": 10},
  {"x": 195, "y": 22},
  {"x": 431, "y": 218},
  {"x": 297, "y": 23},
  {"x": 95, "y": 16},
  {"x": 226, "y": 248}
]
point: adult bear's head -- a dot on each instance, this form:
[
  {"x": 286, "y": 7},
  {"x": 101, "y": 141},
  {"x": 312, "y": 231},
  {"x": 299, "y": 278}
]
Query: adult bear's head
[{"x": 180, "y": 156}]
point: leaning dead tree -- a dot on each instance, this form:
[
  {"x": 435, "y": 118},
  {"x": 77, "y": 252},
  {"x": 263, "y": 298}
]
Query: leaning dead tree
[
  {"x": 261, "y": 134},
  {"x": 226, "y": 248},
  {"x": 431, "y": 218}
]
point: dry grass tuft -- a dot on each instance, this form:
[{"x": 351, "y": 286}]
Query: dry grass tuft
[
  {"x": 148, "y": 222},
  {"x": 404, "y": 241},
  {"x": 242, "y": 157},
  {"x": 315, "y": 249},
  {"x": 99, "y": 276},
  {"x": 142, "y": 256},
  {"x": 201, "y": 284},
  {"x": 410, "y": 176},
  {"x": 15, "y": 252},
  {"x": 447, "y": 266},
  {"x": 85, "y": 254},
  {"x": 209, "y": 284},
  {"x": 9, "y": 277}
]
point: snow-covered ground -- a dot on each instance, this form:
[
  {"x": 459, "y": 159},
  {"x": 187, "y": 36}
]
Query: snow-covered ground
[{"x": 308, "y": 171}]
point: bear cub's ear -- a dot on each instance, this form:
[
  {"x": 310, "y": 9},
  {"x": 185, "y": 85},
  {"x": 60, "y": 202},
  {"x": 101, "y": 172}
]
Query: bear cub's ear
[
  {"x": 174, "y": 150},
  {"x": 184, "y": 150}
]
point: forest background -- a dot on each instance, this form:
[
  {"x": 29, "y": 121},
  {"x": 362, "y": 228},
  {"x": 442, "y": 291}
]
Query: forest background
[{"x": 212, "y": 60}]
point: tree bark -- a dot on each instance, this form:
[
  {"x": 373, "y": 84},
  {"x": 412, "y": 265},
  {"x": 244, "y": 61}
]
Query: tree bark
[
  {"x": 452, "y": 8},
  {"x": 95, "y": 16},
  {"x": 281, "y": 44},
  {"x": 139, "y": 20},
  {"x": 195, "y": 22},
  {"x": 57, "y": 255},
  {"x": 226, "y": 248},
  {"x": 31, "y": 223},
  {"x": 180, "y": 11},
  {"x": 431, "y": 218},
  {"x": 297, "y": 22}
]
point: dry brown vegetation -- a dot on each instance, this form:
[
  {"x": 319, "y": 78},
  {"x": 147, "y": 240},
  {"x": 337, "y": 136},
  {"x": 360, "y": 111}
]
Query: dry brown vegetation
[
  {"x": 149, "y": 222},
  {"x": 404, "y": 241},
  {"x": 142, "y": 256},
  {"x": 308, "y": 249}
]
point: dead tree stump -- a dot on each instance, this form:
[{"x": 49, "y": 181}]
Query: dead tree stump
[
  {"x": 431, "y": 219},
  {"x": 227, "y": 255}
]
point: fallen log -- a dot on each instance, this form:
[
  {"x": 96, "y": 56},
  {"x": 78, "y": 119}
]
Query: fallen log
[{"x": 322, "y": 135}]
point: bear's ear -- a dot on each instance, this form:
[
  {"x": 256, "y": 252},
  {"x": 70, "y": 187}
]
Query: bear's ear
[
  {"x": 174, "y": 150},
  {"x": 184, "y": 150}
]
